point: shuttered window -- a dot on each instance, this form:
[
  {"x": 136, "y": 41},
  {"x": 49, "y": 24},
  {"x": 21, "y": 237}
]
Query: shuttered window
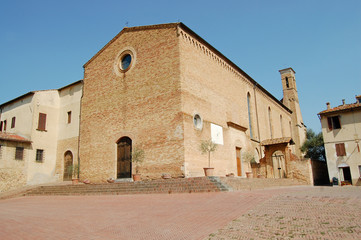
[
  {"x": 42, "y": 122},
  {"x": 340, "y": 149},
  {"x": 19, "y": 153},
  {"x": 333, "y": 123},
  {"x": 13, "y": 122}
]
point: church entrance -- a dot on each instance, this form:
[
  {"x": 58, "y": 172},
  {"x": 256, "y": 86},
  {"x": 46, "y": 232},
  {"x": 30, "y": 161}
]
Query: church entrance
[
  {"x": 279, "y": 167},
  {"x": 124, "y": 163},
  {"x": 68, "y": 163}
]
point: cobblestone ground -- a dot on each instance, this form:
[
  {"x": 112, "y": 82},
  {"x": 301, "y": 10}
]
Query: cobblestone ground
[{"x": 315, "y": 213}]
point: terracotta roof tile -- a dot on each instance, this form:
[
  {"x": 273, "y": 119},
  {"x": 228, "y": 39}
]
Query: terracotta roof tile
[
  {"x": 13, "y": 138},
  {"x": 277, "y": 141},
  {"x": 346, "y": 107}
]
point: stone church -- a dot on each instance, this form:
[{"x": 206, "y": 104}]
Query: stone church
[{"x": 163, "y": 89}]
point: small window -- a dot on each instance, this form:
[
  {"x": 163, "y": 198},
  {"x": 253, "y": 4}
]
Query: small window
[
  {"x": 39, "y": 155},
  {"x": 125, "y": 61},
  {"x": 42, "y": 122},
  {"x": 13, "y": 122},
  {"x": 197, "y": 121},
  {"x": 287, "y": 83},
  {"x": 1, "y": 126},
  {"x": 69, "y": 117},
  {"x": 4, "y": 125},
  {"x": 19, "y": 153},
  {"x": 340, "y": 149},
  {"x": 333, "y": 123},
  {"x": 359, "y": 169}
]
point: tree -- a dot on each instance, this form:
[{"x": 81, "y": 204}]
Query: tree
[
  {"x": 207, "y": 146},
  {"x": 314, "y": 146}
]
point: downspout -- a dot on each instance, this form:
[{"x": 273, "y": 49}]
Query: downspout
[{"x": 255, "y": 101}]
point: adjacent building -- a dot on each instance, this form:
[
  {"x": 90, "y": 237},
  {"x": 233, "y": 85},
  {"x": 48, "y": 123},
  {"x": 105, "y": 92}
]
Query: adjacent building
[
  {"x": 341, "y": 129},
  {"x": 162, "y": 89}
]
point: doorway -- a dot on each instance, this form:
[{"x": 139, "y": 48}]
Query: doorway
[
  {"x": 238, "y": 157},
  {"x": 68, "y": 163},
  {"x": 346, "y": 175},
  {"x": 279, "y": 167},
  {"x": 124, "y": 163}
]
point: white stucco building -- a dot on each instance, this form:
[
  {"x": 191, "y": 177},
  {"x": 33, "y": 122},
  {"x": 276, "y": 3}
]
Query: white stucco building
[
  {"x": 341, "y": 129},
  {"x": 38, "y": 130}
]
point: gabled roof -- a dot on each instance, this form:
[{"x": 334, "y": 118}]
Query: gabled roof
[
  {"x": 13, "y": 138},
  {"x": 342, "y": 108},
  {"x": 275, "y": 141},
  {"x": 201, "y": 40}
]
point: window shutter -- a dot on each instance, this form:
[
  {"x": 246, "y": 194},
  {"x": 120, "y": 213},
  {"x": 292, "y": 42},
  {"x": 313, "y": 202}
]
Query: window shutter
[
  {"x": 19, "y": 153},
  {"x": 329, "y": 122},
  {"x": 13, "y": 122},
  {"x": 340, "y": 149},
  {"x": 42, "y": 121}
]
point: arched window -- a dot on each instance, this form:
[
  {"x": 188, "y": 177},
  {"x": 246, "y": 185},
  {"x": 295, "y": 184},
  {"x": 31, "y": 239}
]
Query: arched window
[
  {"x": 270, "y": 121},
  {"x": 249, "y": 115}
]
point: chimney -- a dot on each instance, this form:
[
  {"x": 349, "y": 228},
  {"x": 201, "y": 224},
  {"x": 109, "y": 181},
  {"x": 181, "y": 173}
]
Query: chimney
[
  {"x": 343, "y": 101},
  {"x": 358, "y": 99},
  {"x": 328, "y": 105}
]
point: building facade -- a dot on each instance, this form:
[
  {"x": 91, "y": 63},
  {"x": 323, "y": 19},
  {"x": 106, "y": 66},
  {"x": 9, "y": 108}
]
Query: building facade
[
  {"x": 341, "y": 130},
  {"x": 38, "y": 131},
  {"x": 164, "y": 90}
]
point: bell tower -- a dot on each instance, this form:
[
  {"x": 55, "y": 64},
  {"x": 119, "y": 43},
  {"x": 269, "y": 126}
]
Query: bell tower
[{"x": 290, "y": 100}]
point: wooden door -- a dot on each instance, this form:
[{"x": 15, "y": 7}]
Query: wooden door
[
  {"x": 124, "y": 163},
  {"x": 239, "y": 165},
  {"x": 68, "y": 163}
]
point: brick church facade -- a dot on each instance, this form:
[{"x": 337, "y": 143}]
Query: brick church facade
[{"x": 163, "y": 89}]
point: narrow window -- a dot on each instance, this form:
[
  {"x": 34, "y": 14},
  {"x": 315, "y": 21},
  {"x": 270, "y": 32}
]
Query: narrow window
[
  {"x": 4, "y": 125},
  {"x": 359, "y": 169},
  {"x": 1, "y": 126},
  {"x": 287, "y": 83},
  {"x": 42, "y": 122},
  {"x": 249, "y": 115},
  {"x": 270, "y": 121},
  {"x": 69, "y": 117},
  {"x": 13, "y": 122},
  {"x": 340, "y": 149},
  {"x": 39, "y": 155},
  {"x": 19, "y": 153}
]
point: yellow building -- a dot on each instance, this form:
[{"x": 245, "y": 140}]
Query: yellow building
[{"x": 341, "y": 130}]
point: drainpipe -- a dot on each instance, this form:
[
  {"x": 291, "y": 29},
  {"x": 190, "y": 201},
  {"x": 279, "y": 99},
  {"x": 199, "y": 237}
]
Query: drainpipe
[{"x": 81, "y": 100}]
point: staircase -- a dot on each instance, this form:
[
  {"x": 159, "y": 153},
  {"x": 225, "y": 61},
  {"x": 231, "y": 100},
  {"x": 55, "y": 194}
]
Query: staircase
[{"x": 180, "y": 185}]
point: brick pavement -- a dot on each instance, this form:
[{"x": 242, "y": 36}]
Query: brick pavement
[
  {"x": 314, "y": 213},
  {"x": 259, "y": 214}
]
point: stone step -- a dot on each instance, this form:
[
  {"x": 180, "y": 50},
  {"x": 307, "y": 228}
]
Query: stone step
[{"x": 157, "y": 186}]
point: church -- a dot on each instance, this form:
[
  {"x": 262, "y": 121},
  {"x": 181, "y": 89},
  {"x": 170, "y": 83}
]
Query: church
[{"x": 163, "y": 89}]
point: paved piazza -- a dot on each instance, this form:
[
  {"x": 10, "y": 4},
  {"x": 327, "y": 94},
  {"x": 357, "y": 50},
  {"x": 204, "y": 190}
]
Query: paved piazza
[{"x": 278, "y": 213}]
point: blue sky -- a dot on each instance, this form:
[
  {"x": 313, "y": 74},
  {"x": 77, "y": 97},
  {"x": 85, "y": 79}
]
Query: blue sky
[{"x": 45, "y": 43}]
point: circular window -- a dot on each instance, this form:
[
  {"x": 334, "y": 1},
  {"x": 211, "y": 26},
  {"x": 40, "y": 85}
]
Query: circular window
[
  {"x": 197, "y": 121},
  {"x": 125, "y": 61}
]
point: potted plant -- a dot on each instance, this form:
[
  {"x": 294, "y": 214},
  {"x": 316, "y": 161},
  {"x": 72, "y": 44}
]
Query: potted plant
[
  {"x": 249, "y": 158},
  {"x": 74, "y": 171},
  {"x": 137, "y": 159},
  {"x": 207, "y": 146}
]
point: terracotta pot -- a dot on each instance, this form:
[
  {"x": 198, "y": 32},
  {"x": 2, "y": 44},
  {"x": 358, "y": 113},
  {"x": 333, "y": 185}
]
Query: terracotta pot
[
  {"x": 208, "y": 172},
  {"x": 136, "y": 177},
  {"x": 249, "y": 174}
]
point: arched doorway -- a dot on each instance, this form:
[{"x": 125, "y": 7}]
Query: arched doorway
[
  {"x": 279, "y": 166},
  {"x": 124, "y": 163},
  {"x": 68, "y": 163}
]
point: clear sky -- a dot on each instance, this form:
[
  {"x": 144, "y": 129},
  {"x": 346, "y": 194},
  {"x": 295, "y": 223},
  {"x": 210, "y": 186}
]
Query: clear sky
[{"x": 45, "y": 43}]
